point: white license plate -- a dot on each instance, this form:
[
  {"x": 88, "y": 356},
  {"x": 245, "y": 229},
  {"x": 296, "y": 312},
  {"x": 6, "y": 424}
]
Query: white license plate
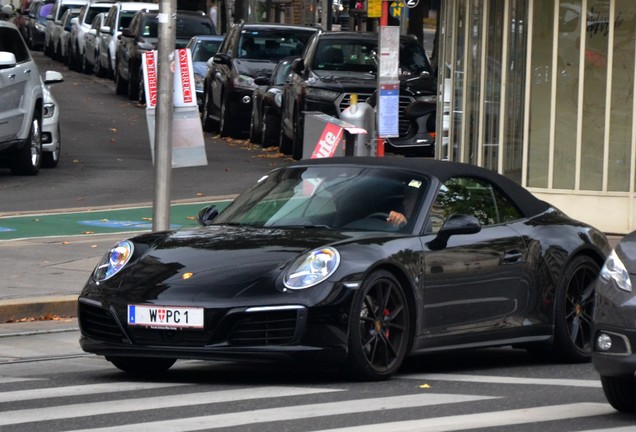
[{"x": 165, "y": 316}]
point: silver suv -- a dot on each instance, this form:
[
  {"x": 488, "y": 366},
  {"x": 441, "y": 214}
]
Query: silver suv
[{"x": 21, "y": 104}]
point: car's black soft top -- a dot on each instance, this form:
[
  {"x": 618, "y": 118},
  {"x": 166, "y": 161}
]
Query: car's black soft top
[{"x": 528, "y": 204}]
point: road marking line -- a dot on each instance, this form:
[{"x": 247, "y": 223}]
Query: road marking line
[
  {"x": 59, "y": 412},
  {"x": 79, "y": 390},
  {"x": 288, "y": 413},
  {"x": 6, "y": 380},
  {"x": 503, "y": 380},
  {"x": 488, "y": 419}
]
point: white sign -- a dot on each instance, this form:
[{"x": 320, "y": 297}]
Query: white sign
[{"x": 411, "y": 3}]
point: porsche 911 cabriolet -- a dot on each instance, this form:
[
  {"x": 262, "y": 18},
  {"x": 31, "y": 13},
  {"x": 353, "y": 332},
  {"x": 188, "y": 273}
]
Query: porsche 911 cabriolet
[{"x": 351, "y": 262}]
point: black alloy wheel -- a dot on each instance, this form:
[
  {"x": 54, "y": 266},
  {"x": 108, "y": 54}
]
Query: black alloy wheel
[
  {"x": 574, "y": 309},
  {"x": 256, "y": 128},
  {"x": 379, "y": 328}
]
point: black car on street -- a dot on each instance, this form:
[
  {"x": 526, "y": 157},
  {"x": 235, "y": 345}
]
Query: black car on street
[
  {"x": 352, "y": 262},
  {"x": 247, "y": 52},
  {"x": 339, "y": 64}
]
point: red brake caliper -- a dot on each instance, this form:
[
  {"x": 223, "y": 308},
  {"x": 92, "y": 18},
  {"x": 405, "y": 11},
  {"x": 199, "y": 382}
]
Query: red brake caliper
[{"x": 386, "y": 330}]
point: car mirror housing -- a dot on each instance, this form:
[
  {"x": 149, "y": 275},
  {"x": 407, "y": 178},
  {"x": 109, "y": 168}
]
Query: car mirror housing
[
  {"x": 207, "y": 215},
  {"x": 223, "y": 59},
  {"x": 457, "y": 224},
  {"x": 7, "y": 60},
  {"x": 298, "y": 66}
]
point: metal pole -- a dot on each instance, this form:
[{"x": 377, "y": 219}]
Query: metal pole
[{"x": 163, "y": 123}]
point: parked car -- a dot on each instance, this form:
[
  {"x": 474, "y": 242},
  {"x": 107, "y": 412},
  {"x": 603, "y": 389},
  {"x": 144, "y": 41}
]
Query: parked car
[
  {"x": 21, "y": 104},
  {"x": 614, "y": 326},
  {"x": 91, "y": 44},
  {"x": 54, "y": 23},
  {"x": 79, "y": 27},
  {"x": 142, "y": 36},
  {"x": 266, "y": 105},
  {"x": 248, "y": 51},
  {"x": 339, "y": 64},
  {"x": 36, "y": 27},
  {"x": 51, "y": 136},
  {"x": 62, "y": 41},
  {"x": 117, "y": 19},
  {"x": 305, "y": 265},
  {"x": 202, "y": 49}
]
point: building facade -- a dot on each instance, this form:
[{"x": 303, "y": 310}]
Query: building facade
[{"x": 542, "y": 91}]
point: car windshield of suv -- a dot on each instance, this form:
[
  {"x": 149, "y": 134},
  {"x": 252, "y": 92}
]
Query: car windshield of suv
[
  {"x": 124, "y": 19},
  {"x": 272, "y": 45},
  {"x": 360, "y": 56},
  {"x": 346, "y": 55},
  {"x": 188, "y": 26}
]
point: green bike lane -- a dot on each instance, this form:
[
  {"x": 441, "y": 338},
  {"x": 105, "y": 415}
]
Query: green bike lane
[{"x": 100, "y": 221}]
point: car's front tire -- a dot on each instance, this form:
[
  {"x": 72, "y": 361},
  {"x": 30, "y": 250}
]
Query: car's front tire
[
  {"x": 121, "y": 86},
  {"x": 226, "y": 128},
  {"x": 206, "y": 121},
  {"x": 379, "y": 328},
  {"x": 574, "y": 308},
  {"x": 142, "y": 365},
  {"x": 620, "y": 393},
  {"x": 271, "y": 130},
  {"x": 28, "y": 159}
]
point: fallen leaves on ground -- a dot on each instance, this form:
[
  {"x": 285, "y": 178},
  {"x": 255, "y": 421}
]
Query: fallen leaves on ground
[{"x": 46, "y": 317}]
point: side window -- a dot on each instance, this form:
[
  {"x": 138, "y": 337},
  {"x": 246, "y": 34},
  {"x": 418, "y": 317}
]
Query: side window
[
  {"x": 11, "y": 41},
  {"x": 475, "y": 197}
]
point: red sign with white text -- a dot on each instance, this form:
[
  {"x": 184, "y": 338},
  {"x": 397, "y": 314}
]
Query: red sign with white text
[
  {"x": 328, "y": 143},
  {"x": 150, "y": 69}
]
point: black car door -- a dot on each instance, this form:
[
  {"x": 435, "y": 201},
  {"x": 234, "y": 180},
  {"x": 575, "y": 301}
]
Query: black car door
[{"x": 475, "y": 283}]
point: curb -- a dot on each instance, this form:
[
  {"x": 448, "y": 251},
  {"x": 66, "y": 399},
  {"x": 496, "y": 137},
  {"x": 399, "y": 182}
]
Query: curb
[{"x": 17, "y": 309}]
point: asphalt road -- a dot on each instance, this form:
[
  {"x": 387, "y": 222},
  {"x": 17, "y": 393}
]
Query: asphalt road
[{"x": 106, "y": 158}]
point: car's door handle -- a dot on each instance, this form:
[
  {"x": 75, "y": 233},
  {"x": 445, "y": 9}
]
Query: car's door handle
[
  {"x": 12, "y": 76},
  {"x": 27, "y": 72},
  {"x": 512, "y": 256}
]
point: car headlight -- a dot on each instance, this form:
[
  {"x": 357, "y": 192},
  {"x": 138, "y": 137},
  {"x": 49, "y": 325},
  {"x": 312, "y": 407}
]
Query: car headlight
[
  {"x": 320, "y": 94},
  {"x": 40, "y": 27},
  {"x": 114, "y": 260},
  {"x": 49, "y": 110},
  {"x": 244, "y": 81},
  {"x": 614, "y": 270},
  {"x": 312, "y": 268},
  {"x": 428, "y": 98}
]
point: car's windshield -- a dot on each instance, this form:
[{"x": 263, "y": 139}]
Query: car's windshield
[
  {"x": 272, "y": 44},
  {"x": 188, "y": 26},
  {"x": 360, "y": 56},
  {"x": 335, "y": 197},
  {"x": 205, "y": 49}
]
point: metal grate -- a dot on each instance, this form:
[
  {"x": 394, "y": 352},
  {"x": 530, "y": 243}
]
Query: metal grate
[
  {"x": 265, "y": 328},
  {"x": 99, "y": 323}
]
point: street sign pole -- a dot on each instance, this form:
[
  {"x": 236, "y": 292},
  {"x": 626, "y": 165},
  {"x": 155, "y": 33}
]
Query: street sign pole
[
  {"x": 384, "y": 21},
  {"x": 163, "y": 125}
]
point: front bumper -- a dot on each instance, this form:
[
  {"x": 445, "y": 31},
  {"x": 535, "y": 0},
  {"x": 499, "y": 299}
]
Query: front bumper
[
  {"x": 50, "y": 133},
  {"x": 614, "y": 320},
  {"x": 238, "y": 334}
]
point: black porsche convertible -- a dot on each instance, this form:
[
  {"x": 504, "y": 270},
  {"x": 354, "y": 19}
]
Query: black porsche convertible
[{"x": 355, "y": 262}]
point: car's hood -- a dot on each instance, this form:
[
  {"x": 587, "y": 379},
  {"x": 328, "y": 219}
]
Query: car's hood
[
  {"x": 343, "y": 81},
  {"x": 217, "y": 263},
  {"x": 200, "y": 68},
  {"x": 367, "y": 82},
  {"x": 255, "y": 68}
]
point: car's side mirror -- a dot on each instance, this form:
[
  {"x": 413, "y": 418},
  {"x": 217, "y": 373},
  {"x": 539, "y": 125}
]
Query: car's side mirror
[
  {"x": 104, "y": 29},
  {"x": 298, "y": 66},
  {"x": 261, "y": 81},
  {"x": 207, "y": 214},
  {"x": 457, "y": 224},
  {"x": 52, "y": 77},
  {"x": 223, "y": 59},
  {"x": 7, "y": 60}
]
